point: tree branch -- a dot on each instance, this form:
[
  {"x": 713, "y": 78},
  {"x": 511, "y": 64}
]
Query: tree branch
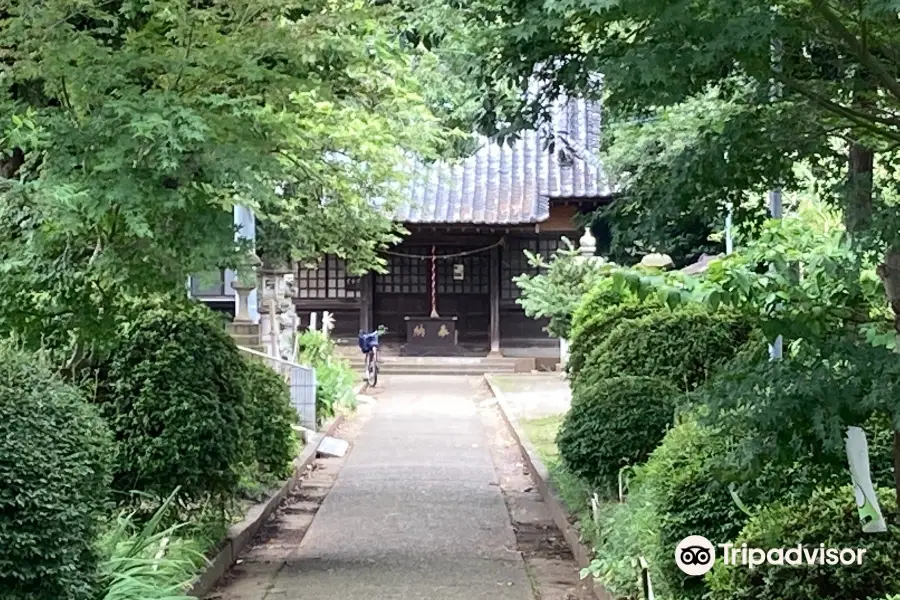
[
  {"x": 857, "y": 47},
  {"x": 864, "y": 120}
]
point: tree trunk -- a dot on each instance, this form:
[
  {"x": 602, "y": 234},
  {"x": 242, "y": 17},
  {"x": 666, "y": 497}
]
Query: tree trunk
[{"x": 858, "y": 212}]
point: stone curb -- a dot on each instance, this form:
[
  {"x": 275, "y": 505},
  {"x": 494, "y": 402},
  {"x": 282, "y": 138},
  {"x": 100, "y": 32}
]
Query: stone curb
[
  {"x": 241, "y": 534},
  {"x": 541, "y": 476}
]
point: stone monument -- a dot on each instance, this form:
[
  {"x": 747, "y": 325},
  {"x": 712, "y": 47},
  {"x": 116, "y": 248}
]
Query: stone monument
[{"x": 276, "y": 307}]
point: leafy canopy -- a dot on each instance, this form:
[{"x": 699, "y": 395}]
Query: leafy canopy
[{"x": 129, "y": 130}]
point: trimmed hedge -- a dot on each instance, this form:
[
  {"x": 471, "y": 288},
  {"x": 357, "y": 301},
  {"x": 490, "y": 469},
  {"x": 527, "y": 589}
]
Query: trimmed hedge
[
  {"x": 686, "y": 481},
  {"x": 612, "y": 424},
  {"x": 682, "y": 346},
  {"x": 270, "y": 419},
  {"x": 175, "y": 394},
  {"x": 829, "y": 516},
  {"x": 591, "y": 331},
  {"x": 54, "y": 477},
  {"x": 688, "y": 497}
]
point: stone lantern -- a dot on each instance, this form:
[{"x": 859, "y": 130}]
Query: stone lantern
[
  {"x": 243, "y": 285},
  {"x": 277, "y": 292},
  {"x": 587, "y": 245}
]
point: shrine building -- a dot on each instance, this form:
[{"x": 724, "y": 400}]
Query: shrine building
[{"x": 449, "y": 284}]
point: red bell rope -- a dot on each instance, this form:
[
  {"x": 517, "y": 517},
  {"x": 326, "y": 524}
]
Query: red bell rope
[{"x": 434, "y": 312}]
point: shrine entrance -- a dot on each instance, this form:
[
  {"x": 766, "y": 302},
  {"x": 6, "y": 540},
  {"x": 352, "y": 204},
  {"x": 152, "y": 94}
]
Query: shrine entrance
[{"x": 436, "y": 298}]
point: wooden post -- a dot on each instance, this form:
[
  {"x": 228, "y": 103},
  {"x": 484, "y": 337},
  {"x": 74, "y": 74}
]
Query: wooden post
[
  {"x": 495, "y": 302},
  {"x": 366, "y": 300}
]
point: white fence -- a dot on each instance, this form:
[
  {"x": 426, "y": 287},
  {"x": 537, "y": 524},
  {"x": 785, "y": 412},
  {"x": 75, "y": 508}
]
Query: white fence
[{"x": 302, "y": 383}]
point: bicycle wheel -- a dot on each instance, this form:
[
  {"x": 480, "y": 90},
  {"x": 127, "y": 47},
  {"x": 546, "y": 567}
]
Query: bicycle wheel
[{"x": 371, "y": 368}]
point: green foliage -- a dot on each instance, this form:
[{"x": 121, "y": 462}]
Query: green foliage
[
  {"x": 148, "y": 562},
  {"x": 688, "y": 482},
  {"x": 557, "y": 289},
  {"x": 565, "y": 42},
  {"x": 270, "y": 420},
  {"x": 682, "y": 346},
  {"x": 54, "y": 479},
  {"x": 334, "y": 376},
  {"x": 681, "y": 480},
  {"x": 676, "y": 187},
  {"x": 598, "y": 313},
  {"x": 120, "y": 176},
  {"x": 626, "y": 532},
  {"x": 174, "y": 393},
  {"x": 830, "y": 516},
  {"x": 799, "y": 278},
  {"x": 698, "y": 130},
  {"x": 801, "y": 405},
  {"x": 615, "y": 423}
]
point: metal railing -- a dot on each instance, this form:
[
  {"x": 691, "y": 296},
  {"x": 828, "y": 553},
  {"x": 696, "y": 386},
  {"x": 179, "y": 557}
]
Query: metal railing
[{"x": 301, "y": 381}]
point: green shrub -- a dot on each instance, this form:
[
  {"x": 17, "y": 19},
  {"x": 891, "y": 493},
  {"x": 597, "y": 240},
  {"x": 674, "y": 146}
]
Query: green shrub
[
  {"x": 175, "y": 395},
  {"x": 683, "y": 346},
  {"x": 334, "y": 376},
  {"x": 54, "y": 477},
  {"x": 556, "y": 290},
  {"x": 334, "y": 387},
  {"x": 270, "y": 419},
  {"x": 829, "y": 516},
  {"x": 681, "y": 482},
  {"x": 614, "y": 423},
  {"x": 598, "y": 316},
  {"x": 625, "y": 533},
  {"x": 687, "y": 481}
]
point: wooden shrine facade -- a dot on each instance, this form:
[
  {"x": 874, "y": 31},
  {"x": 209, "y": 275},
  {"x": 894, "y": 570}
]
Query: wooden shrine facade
[
  {"x": 476, "y": 218},
  {"x": 471, "y": 280}
]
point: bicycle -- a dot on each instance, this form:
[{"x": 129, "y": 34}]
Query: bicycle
[{"x": 368, "y": 343}]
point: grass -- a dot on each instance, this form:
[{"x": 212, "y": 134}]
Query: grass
[
  {"x": 542, "y": 434},
  {"x": 506, "y": 384},
  {"x": 573, "y": 491}
]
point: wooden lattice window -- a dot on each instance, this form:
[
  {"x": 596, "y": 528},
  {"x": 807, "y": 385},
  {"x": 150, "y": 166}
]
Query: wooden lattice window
[
  {"x": 327, "y": 281},
  {"x": 405, "y": 275},
  {"x": 475, "y": 273},
  {"x": 515, "y": 263}
]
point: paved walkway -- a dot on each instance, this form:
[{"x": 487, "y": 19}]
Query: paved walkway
[{"x": 416, "y": 512}]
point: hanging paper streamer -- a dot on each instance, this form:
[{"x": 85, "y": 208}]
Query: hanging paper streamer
[{"x": 866, "y": 500}]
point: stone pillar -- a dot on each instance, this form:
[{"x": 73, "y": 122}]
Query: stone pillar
[
  {"x": 245, "y": 222},
  {"x": 243, "y": 290},
  {"x": 277, "y": 293}
]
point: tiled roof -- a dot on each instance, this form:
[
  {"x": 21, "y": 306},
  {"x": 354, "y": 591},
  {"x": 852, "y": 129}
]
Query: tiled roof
[{"x": 503, "y": 184}]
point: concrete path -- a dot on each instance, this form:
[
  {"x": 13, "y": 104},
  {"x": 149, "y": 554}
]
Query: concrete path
[{"x": 416, "y": 512}]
